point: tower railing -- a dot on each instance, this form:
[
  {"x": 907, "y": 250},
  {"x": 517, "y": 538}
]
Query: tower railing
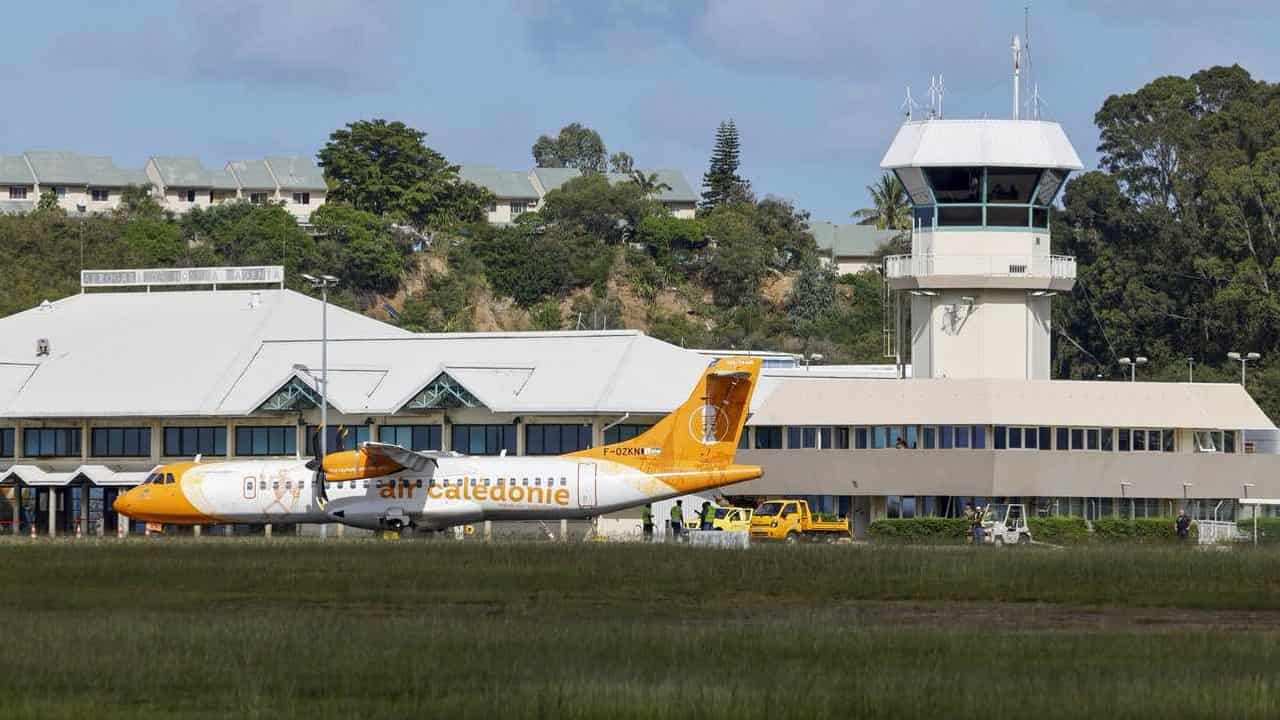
[{"x": 925, "y": 265}]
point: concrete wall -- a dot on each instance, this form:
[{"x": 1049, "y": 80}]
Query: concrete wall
[
  {"x": 1000, "y": 334},
  {"x": 1049, "y": 473}
]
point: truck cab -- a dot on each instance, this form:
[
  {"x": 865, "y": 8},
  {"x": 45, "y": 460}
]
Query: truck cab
[{"x": 791, "y": 521}]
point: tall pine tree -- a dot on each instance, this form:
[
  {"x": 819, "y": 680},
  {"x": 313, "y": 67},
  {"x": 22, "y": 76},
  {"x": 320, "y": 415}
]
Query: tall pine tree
[{"x": 722, "y": 182}]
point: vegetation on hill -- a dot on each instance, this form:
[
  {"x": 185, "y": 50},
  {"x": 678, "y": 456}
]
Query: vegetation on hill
[{"x": 1176, "y": 239}]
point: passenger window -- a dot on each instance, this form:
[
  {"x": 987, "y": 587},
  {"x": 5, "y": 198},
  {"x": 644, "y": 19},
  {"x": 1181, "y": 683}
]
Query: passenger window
[
  {"x": 524, "y": 481},
  {"x": 419, "y": 483},
  {"x": 288, "y": 484},
  {"x": 563, "y": 481},
  {"x": 486, "y": 482},
  {"x": 275, "y": 484},
  {"x": 366, "y": 484},
  {"x": 262, "y": 485}
]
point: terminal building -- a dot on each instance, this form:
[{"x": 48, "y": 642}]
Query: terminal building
[{"x": 147, "y": 367}]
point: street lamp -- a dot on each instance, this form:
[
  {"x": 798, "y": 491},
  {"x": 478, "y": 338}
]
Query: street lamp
[
  {"x": 1243, "y": 359},
  {"x": 324, "y": 282},
  {"x": 813, "y": 358},
  {"x": 1133, "y": 364},
  {"x": 1125, "y": 484}
]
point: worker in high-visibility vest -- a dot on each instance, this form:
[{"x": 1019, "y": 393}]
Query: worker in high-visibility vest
[
  {"x": 708, "y": 516},
  {"x": 677, "y": 519},
  {"x": 646, "y": 521}
]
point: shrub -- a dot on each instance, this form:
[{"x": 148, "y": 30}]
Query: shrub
[
  {"x": 921, "y": 529},
  {"x": 1268, "y": 529},
  {"x": 1059, "y": 530},
  {"x": 1138, "y": 530}
]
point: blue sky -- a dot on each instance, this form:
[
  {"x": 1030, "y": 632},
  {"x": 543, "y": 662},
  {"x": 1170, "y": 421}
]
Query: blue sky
[{"x": 814, "y": 85}]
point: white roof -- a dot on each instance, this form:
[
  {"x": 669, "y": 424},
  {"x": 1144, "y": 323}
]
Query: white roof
[
  {"x": 990, "y": 143},
  {"x": 149, "y": 354},
  {"x": 99, "y": 475},
  {"x": 815, "y": 399},
  {"x": 515, "y": 372},
  {"x": 217, "y": 354}
]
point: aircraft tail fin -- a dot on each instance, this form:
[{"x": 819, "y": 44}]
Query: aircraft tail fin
[{"x": 701, "y": 434}]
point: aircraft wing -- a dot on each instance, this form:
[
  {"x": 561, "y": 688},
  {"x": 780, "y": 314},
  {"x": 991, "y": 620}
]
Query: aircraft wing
[{"x": 416, "y": 460}]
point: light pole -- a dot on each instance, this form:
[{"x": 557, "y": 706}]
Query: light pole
[
  {"x": 1133, "y": 364},
  {"x": 1244, "y": 359},
  {"x": 1123, "y": 485},
  {"x": 324, "y": 282},
  {"x": 1191, "y": 369}
]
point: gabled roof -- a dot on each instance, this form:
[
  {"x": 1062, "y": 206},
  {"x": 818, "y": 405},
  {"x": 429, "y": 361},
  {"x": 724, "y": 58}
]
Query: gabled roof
[
  {"x": 68, "y": 168},
  {"x": 849, "y": 240},
  {"x": 502, "y": 183},
  {"x": 296, "y": 173},
  {"x": 252, "y": 174},
  {"x": 191, "y": 173},
  {"x": 991, "y": 143},
  {"x": 680, "y": 191},
  {"x": 14, "y": 171}
]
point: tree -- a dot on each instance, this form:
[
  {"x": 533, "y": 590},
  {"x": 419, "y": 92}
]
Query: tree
[
  {"x": 650, "y": 185},
  {"x": 577, "y": 146},
  {"x": 49, "y": 203},
  {"x": 386, "y": 169},
  {"x": 621, "y": 163},
  {"x": 891, "y": 209},
  {"x": 813, "y": 296},
  {"x": 600, "y": 209},
  {"x": 722, "y": 182},
  {"x": 366, "y": 253}
]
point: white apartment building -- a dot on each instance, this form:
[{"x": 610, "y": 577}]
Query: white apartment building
[
  {"x": 517, "y": 192},
  {"x": 93, "y": 183}
]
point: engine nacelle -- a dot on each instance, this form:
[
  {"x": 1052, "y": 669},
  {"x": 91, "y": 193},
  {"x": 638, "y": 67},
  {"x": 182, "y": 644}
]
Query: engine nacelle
[{"x": 357, "y": 465}]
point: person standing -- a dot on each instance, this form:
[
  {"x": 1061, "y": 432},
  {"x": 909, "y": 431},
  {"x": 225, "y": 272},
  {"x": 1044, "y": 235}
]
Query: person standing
[
  {"x": 646, "y": 521},
  {"x": 968, "y": 517},
  {"x": 1182, "y": 525},
  {"x": 677, "y": 519},
  {"x": 708, "y": 516},
  {"x": 979, "y": 532}
]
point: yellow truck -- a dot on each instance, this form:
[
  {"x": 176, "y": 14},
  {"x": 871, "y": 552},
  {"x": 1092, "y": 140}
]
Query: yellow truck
[
  {"x": 728, "y": 519},
  {"x": 791, "y": 521}
]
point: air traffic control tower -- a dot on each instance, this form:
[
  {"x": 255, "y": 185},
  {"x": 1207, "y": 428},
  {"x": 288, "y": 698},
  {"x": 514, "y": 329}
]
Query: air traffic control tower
[{"x": 981, "y": 273}]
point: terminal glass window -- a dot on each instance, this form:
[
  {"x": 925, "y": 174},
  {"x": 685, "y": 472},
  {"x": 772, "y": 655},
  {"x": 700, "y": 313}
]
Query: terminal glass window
[
  {"x": 946, "y": 437},
  {"x": 1062, "y": 442},
  {"x": 121, "y": 442},
  {"x": 484, "y": 439},
  {"x": 337, "y": 437},
  {"x": 266, "y": 440},
  {"x": 6, "y": 442},
  {"x": 622, "y": 433},
  {"x": 979, "y": 433},
  {"x": 1108, "y": 439},
  {"x": 768, "y": 438},
  {"x": 412, "y": 437},
  {"x": 840, "y": 438},
  {"x": 556, "y": 439},
  {"x": 192, "y": 441},
  {"x": 51, "y": 442},
  {"x": 1049, "y": 184},
  {"x": 1228, "y": 441},
  {"x": 860, "y": 439}
]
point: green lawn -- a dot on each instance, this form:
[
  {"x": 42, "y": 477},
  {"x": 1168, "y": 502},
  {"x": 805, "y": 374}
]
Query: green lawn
[{"x": 238, "y": 628}]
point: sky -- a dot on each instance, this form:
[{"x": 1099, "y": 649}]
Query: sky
[{"x": 815, "y": 86}]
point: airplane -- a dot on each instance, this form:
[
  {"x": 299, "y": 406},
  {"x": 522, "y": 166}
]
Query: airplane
[{"x": 387, "y": 487}]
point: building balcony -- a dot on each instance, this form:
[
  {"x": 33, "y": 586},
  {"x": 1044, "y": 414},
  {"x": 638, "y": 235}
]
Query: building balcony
[{"x": 1032, "y": 272}]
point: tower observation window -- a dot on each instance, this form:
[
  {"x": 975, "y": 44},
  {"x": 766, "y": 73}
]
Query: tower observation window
[
  {"x": 1011, "y": 185},
  {"x": 956, "y": 184}
]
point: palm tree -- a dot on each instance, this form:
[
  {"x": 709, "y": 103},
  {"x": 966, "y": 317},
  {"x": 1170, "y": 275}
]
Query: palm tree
[
  {"x": 892, "y": 211},
  {"x": 649, "y": 184}
]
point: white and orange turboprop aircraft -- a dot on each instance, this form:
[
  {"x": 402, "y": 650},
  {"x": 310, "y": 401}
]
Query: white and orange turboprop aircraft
[{"x": 384, "y": 486}]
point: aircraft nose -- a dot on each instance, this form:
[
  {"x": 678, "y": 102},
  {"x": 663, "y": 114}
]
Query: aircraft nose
[{"x": 123, "y": 504}]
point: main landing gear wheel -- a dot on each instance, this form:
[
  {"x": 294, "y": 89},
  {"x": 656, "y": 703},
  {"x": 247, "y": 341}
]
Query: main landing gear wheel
[
  {"x": 395, "y": 525},
  {"x": 792, "y": 539}
]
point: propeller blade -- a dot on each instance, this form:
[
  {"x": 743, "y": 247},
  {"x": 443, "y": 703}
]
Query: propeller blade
[{"x": 316, "y": 465}]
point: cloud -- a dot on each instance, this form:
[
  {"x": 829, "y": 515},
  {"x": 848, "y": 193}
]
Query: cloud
[
  {"x": 298, "y": 45},
  {"x": 562, "y": 31}
]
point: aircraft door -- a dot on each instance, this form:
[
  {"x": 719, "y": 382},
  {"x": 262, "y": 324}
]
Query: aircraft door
[{"x": 587, "y": 485}]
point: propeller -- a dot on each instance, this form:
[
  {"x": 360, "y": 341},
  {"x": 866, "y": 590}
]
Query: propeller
[{"x": 316, "y": 464}]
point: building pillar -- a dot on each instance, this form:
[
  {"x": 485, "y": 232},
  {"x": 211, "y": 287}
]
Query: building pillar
[
  {"x": 53, "y": 512},
  {"x": 564, "y": 530},
  {"x": 195, "y": 530},
  {"x": 341, "y": 531},
  {"x": 17, "y": 507},
  {"x": 488, "y": 530},
  {"x": 266, "y": 530},
  {"x": 84, "y": 509}
]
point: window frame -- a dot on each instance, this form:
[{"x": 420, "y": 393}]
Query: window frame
[
  {"x": 104, "y": 440},
  {"x": 287, "y": 434}
]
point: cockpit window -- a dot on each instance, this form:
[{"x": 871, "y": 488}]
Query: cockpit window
[
  {"x": 153, "y": 478},
  {"x": 168, "y": 479}
]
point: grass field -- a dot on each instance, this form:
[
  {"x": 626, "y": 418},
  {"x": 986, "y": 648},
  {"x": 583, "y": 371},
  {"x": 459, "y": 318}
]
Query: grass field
[{"x": 296, "y": 628}]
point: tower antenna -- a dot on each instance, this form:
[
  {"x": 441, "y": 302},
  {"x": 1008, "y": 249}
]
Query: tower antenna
[
  {"x": 908, "y": 106},
  {"x": 1016, "y": 46}
]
